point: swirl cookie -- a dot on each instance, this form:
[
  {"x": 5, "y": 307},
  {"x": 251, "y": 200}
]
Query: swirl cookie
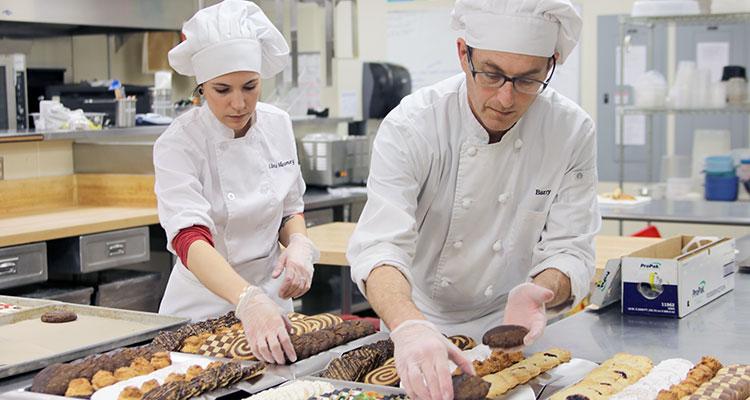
[
  {"x": 463, "y": 342},
  {"x": 240, "y": 350},
  {"x": 384, "y": 376}
]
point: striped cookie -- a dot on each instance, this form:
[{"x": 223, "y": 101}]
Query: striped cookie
[{"x": 463, "y": 342}]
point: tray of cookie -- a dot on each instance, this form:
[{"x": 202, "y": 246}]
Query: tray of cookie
[
  {"x": 313, "y": 338},
  {"x": 371, "y": 361},
  {"x": 13, "y": 304},
  {"x": 632, "y": 377},
  {"x": 321, "y": 388},
  {"x": 146, "y": 372},
  {"x": 36, "y": 337},
  {"x": 523, "y": 378}
]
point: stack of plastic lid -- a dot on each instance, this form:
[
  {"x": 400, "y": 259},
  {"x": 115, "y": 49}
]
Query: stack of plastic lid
[
  {"x": 730, "y": 6},
  {"x": 657, "y": 8},
  {"x": 721, "y": 179}
]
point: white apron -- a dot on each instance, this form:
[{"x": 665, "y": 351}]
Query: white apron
[
  {"x": 465, "y": 221},
  {"x": 239, "y": 188},
  {"x": 187, "y": 297}
]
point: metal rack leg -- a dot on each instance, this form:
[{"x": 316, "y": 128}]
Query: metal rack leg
[{"x": 346, "y": 290}]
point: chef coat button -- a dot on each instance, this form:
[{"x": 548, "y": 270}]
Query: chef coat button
[
  {"x": 466, "y": 203},
  {"x": 445, "y": 282},
  {"x": 518, "y": 144},
  {"x": 458, "y": 244},
  {"x": 472, "y": 151},
  {"x": 503, "y": 198},
  {"x": 488, "y": 291},
  {"x": 230, "y": 196},
  {"x": 497, "y": 246},
  {"x": 579, "y": 175}
]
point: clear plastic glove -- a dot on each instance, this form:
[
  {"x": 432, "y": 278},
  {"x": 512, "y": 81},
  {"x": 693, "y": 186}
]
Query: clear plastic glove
[
  {"x": 297, "y": 260},
  {"x": 266, "y": 327},
  {"x": 422, "y": 354},
  {"x": 526, "y": 307}
]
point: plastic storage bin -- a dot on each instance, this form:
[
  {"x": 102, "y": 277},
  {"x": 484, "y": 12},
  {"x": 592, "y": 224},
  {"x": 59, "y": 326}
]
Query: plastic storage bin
[
  {"x": 719, "y": 165},
  {"x": 721, "y": 187}
]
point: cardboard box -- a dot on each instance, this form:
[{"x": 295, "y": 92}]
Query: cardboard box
[{"x": 660, "y": 280}]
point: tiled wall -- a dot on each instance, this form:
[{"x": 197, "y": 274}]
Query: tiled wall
[{"x": 37, "y": 159}]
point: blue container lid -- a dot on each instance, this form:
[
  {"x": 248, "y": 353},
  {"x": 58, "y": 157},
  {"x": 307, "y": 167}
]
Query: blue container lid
[
  {"x": 745, "y": 161},
  {"x": 719, "y": 164}
]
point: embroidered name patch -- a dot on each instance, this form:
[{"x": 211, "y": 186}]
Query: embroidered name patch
[
  {"x": 543, "y": 192},
  {"x": 281, "y": 164}
]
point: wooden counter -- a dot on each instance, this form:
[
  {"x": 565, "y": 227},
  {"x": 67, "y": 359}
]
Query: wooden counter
[
  {"x": 74, "y": 221},
  {"x": 332, "y": 240},
  {"x": 40, "y": 209}
]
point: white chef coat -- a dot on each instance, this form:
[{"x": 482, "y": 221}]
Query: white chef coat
[
  {"x": 464, "y": 220},
  {"x": 239, "y": 188}
]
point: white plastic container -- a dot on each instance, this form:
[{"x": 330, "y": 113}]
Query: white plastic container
[
  {"x": 659, "y": 8},
  {"x": 730, "y": 6},
  {"x": 651, "y": 90}
]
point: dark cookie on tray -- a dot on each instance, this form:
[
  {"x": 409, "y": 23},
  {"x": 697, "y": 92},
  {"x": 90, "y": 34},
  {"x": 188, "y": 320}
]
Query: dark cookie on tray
[
  {"x": 59, "y": 316},
  {"x": 505, "y": 336},
  {"x": 55, "y": 378},
  {"x": 312, "y": 343},
  {"x": 468, "y": 387}
]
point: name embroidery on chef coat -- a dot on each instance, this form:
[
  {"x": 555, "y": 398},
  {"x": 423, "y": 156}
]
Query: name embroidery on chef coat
[
  {"x": 543, "y": 192},
  {"x": 282, "y": 164}
]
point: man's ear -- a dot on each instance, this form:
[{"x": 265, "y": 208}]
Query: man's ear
[{"x": 461, "y": 50}]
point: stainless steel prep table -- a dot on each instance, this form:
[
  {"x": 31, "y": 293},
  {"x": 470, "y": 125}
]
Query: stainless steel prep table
[
  {"x": 317, "y": 198},
  {"x": 736, "y": 213},
  {"x": 720, "y": 329}
]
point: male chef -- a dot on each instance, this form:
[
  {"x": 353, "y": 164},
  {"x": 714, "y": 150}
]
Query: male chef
[{"x": 481, "y": 203}]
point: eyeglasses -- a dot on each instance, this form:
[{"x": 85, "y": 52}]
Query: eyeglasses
[{"x": 496, "y": 80}]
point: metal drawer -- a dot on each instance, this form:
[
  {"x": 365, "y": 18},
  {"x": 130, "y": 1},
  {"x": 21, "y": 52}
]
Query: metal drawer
[
  {"x": 100, "y": 251},
  {"x": 21, "y": 265}
]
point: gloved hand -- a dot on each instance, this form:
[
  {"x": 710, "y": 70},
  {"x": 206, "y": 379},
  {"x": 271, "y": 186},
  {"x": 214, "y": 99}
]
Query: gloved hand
[
  {"x": 422, "y": 354},
  {"x": 297, "y": 260},
  {"x": 266, "y": 326},
  {"x": 526, "y": 307}
]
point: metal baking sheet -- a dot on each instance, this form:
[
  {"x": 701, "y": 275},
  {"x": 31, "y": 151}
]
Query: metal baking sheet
[
  {"x": 24, "y": 331},
  {"x": 26, "y": 303},
  {"x": 319, "y": 362},
  {"x": 360, "y": 386},
  {"x": 561, "y": 377}
]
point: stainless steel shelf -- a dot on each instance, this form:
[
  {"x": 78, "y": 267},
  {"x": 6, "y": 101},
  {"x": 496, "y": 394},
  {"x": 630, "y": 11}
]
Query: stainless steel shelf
[
  {"x": 631, "y": 110},
  {"x": 700, "y": 19}
]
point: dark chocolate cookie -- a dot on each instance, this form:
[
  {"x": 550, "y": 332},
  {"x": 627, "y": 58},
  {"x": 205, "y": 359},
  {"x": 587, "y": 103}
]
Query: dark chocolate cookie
[
  {"x": 59, "y": 316},
  {"x": 467, "y": 387},
  {"x": 505, "y": 336}
]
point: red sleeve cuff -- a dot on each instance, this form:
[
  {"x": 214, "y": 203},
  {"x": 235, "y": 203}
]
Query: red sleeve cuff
[{"x": 182, "y": 241}]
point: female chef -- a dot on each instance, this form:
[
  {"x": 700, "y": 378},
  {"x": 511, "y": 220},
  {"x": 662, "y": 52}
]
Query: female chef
[{"x": 228, "y": 183}]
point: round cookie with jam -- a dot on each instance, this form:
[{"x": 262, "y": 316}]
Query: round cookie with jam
[{"x": 505, "y": 336}]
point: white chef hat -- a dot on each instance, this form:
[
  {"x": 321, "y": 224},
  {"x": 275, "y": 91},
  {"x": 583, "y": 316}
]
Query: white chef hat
[
  {"x": 234, "y": 35},
  {"x": 531, "y": 27}
]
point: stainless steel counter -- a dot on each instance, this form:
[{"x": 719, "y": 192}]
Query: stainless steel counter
[
  {"x": 720, "y": 329},
  {"x": 146, "y": 132},
  {"x": 316, "y": 198},
  {"x": 692, "y": 211},
  {"x": 142, "y": 132}
]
